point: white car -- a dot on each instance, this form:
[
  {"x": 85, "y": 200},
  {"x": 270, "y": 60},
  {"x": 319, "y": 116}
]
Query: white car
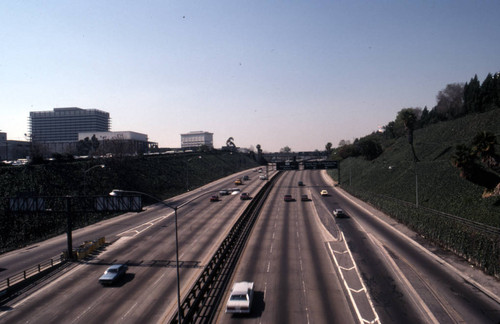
[
  {"x": 240, "y": 299},
  {"x": 324, "y": 193}
]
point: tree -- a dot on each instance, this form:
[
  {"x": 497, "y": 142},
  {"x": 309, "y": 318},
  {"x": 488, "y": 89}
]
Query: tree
[
  {"x": 408, "y": 117},
  {"x": 450, "y": 101},
  {"x": 465, "y": 158},
  {"x": 484, "y": 148},
  {"x": 328, "y": 148},
  {"x": 285, "y": 149},
  {"x": 471, "y": 96},
  {"x": 344, "y": 142},
  {"x": 488, "y": 94},
  {"x": 260, "y": 159},
  {"x": 369, "y": 148},
  {"x": 83, "y": 147},
  {"x": 230, "y": 143},
  {"x": 94, "y": 144}
]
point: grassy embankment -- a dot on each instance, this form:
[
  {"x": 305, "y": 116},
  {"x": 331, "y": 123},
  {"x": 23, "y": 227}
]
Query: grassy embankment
[{"x": 389, "y": 181}]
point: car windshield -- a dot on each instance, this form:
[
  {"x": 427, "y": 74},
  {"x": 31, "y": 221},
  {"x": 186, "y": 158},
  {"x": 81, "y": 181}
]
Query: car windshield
[
  {"x": 114, "y": 270},
  {"x": 239, "y": 297}
]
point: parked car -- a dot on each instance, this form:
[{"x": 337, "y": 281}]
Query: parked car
[
  {"x": 214, "y": 198},
  {"x": 339, "y": 213},
  {"x": 288, "y": 198},
  {"x": 324, "y": 193},
  {"x": 240, "y": 299},
  {"x": 244, "y": 196},
  {"x": 113, "y": 274},
  {"x": 304, "y": 198}
]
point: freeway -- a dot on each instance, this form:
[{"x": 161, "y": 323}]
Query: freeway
[
  {"x": 297, "y": 258},
  {"x": 144, "y": 241},
  {"x": 308, "y": 267}
]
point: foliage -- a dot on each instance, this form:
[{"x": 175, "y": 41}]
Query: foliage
[
  {"x": 285, "y": 149},
  {"x": 162, "y": 176},
  {"x": 87, "y": 146},
  {"x": 328, "y": 148},
  {"x": 486, "y": 174}
]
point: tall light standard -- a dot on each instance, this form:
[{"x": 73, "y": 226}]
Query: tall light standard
[
  {"x": 118, "y": 192},
  {"x": 85, "y": 176},
  {"x": 187, "y": 170}
]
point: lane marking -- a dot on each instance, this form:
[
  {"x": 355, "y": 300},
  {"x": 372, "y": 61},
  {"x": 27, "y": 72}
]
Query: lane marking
[{"x": 349, "y": 289}]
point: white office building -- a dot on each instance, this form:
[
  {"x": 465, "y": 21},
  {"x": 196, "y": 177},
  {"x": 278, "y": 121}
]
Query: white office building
[{"x": 197, "y": 139}]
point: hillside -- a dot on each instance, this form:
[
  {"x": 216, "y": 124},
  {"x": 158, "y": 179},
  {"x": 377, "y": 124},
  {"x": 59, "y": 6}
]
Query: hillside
[
  {"x": 389, "y": 182},
  {"x": 439, "y": 184},
  {"x": 162, "y": 176}
]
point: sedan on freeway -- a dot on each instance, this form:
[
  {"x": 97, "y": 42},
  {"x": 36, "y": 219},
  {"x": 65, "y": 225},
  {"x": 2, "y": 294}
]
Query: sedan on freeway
[
  {"x": 113, "y": 274},
  {"x": 245, "y": 196},
  {"x": 339, "y": 213},
  {"x": 240, "y": 299}
]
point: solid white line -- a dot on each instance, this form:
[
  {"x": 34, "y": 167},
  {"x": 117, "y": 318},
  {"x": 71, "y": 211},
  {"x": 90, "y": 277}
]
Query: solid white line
[{"x": 412, "y": 292}]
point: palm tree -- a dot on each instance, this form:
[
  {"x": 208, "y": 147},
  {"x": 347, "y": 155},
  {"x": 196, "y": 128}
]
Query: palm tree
[
  {"x": 484, "y": 148},
  {"x": 464, "y": 159},
  {"x": 410, "y": 121}
]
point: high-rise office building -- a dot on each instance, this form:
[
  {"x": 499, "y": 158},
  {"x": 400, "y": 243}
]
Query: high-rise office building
[{"x": 62, "y": 125}]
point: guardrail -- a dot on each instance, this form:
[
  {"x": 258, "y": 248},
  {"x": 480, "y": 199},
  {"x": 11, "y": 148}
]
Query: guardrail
[
  {"x": 203, "y": 299},
  {"x": 19, "y": 280}
]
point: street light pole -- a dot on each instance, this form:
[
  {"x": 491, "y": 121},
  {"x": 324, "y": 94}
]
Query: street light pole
[
  {"x": 118, "y": 192},
  {"x": 85, "y": 176}
]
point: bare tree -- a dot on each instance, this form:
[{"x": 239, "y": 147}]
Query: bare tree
[{"x": 450, "y": 101}]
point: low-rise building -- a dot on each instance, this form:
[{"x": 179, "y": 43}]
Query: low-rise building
[
  {"x": 197, "y": 139},
  {"x": 125, "y": 142},
  {"x": 11, "y": 150}
]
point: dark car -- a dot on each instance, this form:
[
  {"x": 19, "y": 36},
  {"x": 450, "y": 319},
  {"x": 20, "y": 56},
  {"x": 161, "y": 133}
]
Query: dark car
[
  {"x": 244, "y": 196},
  {"x": 339, "y": 213},
  {"x": 113, "y": 274},
  {"x": 304, "y": 198},
  {"x": 245, "y": 178},
  {"x": 301, "y": 183},
  {"x": 214, "y": 198},
  {"x": 288, "y": 198}
]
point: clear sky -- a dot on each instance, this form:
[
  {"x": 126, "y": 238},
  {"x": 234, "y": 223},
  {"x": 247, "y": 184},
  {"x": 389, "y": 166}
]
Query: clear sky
[{"x": 275, "y": 73}]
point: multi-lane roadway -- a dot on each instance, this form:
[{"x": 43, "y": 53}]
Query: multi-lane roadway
[{"x": 307, "y": 266}]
